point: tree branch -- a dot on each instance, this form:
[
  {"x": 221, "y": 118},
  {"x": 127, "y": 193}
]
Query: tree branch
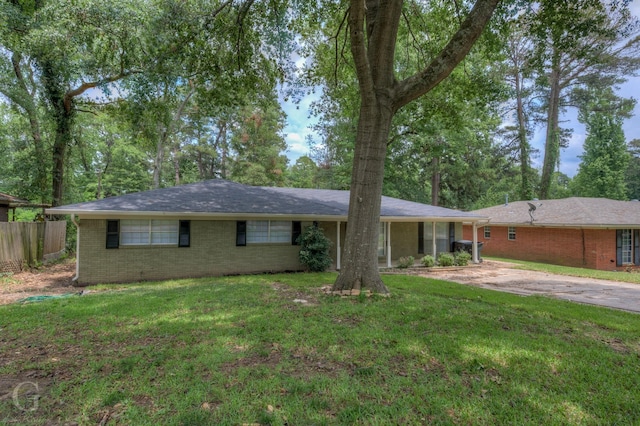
[
  {"x": 358, "y": 46},
  {"x": 453, "y": 53},
  {"x": 68, "y": 97}
]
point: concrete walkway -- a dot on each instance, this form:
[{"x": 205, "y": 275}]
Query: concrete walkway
[{"x": 500, "y": 276}]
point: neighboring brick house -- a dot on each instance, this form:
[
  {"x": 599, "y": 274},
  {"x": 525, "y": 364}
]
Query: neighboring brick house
[
  {"x": 219, "y": 227},
  {"x": 595, "y": 233}
]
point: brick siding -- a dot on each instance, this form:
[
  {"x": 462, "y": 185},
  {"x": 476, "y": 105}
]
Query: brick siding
[
  {"x": 586, "y": 248},
  {"x": 212, "y": 252}
]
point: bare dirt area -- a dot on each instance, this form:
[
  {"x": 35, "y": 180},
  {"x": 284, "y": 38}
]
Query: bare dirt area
[{"x": 47, "y": 280}]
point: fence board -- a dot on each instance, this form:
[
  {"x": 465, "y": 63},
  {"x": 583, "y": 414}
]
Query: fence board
[{"x": 26, "y": 243}]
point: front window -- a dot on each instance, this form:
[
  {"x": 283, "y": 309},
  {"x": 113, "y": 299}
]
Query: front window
[
  {"x": 268, "y": 231},
  {"x": 382, "y": 240},
  {"x": 511, "y": 233},
  {"x": 148, "y": 232},
  {"x": 442, "y": 236},
  {"x": 627, "y": 247}
]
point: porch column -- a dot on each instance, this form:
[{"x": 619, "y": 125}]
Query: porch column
[
  {"x": 433, "y": 240},
  {"x": 338, "y": 250},
  {"x": 388, "y": 244},
  {"x": 474, "y": 246}
]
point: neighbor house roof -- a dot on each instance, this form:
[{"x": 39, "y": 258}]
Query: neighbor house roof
[
  {"x": 223, "y": 198},
  {"x": 10, "y": 200},
  {"x": 566, "y": 212}
]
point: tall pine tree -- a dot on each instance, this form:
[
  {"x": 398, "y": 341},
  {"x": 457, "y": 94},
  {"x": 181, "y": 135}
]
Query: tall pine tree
[{"x": 605, "y": 159}]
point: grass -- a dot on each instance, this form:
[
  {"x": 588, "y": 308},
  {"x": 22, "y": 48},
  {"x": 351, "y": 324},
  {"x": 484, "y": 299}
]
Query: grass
[
  {"x": 631, "y": 276},
  {"x": 239, "y": 350}
]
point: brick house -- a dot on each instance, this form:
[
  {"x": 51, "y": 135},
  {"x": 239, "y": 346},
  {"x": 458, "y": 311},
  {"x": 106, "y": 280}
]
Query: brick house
[
  {"x": 218, "y": 227},
  {"x": 595, "y": 233}
]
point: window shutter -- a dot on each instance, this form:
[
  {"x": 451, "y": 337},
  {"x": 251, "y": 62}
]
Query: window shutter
[
  {"x": 184, "y": 233},
  {"x": 619, "y": 247},
  {"x": 452, "y": 235},
  {"x": 113, "y": 234},
  {"x": 421, "y": 237},
  {"x": 241, "y": 233},
  {"x": 296, "y": 231},
  {"x": 636, "y": 238}
]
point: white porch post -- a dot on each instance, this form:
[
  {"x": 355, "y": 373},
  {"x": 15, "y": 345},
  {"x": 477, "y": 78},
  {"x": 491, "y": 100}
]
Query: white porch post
[
  {"x": 474, "y": 246},
  {"x": 338, "y": 250},
  {"x": 388, "y": 229},
  {"x": 433, "y": 240}
]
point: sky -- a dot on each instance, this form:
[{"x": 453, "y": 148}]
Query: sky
[{"x": 299, "y": 121}]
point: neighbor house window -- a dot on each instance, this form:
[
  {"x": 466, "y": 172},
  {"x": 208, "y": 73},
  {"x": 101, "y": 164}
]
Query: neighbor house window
[
  {"x": 487, "y": 232},
  {"x": 511, "y": 233},
  {"x": 149, "y": 232},
  {"x": 268, "y": 231}
]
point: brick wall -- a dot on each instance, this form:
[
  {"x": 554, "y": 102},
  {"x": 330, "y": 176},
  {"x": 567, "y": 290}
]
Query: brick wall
[
  {"x": 212, "y": 252},
  {"x": 588, "y": 248}
]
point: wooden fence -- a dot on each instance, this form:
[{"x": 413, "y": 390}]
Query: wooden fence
[{"x": 28, "y": 243}]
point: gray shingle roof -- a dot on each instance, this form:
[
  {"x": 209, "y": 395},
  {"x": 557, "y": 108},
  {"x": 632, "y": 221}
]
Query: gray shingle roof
[
  {"x": 222, "y": 197},
  {"x": 574, "y": 211}
]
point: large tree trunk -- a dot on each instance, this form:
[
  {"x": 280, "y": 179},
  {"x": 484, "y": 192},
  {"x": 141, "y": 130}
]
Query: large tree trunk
[
  {"x": 552, "y": 143},
  {"x": 435, "y": 180},
  {"x": 62, "y": 112},
  {"x": 360, "y": 255},
  {"x": 373, "y": 28},
  {"x": 64, "y": 124},
  {"x": 526, "y": 187}
]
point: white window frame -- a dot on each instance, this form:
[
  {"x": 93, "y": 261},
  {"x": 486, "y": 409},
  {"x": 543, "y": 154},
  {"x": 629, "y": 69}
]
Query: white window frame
[
  {"x": 511, "y": 233},
  {"x": 382, "y": 239},
  {"x": 269, "y": 231},
  {"x": 487, "y": 232},
  {"x": 627, "y": 246},
  {"x": 149, "y": 232}
]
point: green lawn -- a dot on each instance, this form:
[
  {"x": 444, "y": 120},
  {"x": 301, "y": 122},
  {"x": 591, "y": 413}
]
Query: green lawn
[{"x": 239, "y": 350}]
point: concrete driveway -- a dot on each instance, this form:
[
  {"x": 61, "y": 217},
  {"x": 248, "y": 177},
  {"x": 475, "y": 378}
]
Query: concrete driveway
[{"x": 501, "y": 276}]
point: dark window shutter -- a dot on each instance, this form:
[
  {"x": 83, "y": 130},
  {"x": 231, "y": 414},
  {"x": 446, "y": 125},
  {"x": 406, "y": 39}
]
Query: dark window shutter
[
  {"x": 421, "y": 237},
  {"x": 636, "y": 238},
  {"x": 241, "y": 233},
  {"x": 452, "y": 234},
  {"x": 184, "y": 233},
  {"x": 296, "y": 231},
  {"x": 619, "y": 247},
  {"x": 113, "y": 234}
]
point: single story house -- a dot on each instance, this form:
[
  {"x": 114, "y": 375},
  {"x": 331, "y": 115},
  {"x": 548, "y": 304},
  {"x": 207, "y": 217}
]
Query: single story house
[
  {"x": 9, "y": 202},
  {"x": 218, "y": 227},
  {"x": 595, "y": 233}
]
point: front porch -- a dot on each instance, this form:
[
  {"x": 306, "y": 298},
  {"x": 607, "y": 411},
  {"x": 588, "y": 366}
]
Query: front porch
[{"x": 402, "y": 238}]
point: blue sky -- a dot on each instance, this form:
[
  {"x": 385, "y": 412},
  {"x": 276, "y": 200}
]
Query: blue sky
[{"x": 299, "y": 122}]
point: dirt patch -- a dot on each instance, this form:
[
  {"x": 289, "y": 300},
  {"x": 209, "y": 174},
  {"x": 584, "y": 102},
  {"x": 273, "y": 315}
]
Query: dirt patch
[{"x": 48, "y": 280}]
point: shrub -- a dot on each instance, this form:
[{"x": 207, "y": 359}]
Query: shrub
[
  {"x": 406, "y": 261},
  {"x": 314, "y": 249},
  {"x": 428, "y": 261},
  {"x": 446, "y": 259},
  {"x": 462, "y": 258}
]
